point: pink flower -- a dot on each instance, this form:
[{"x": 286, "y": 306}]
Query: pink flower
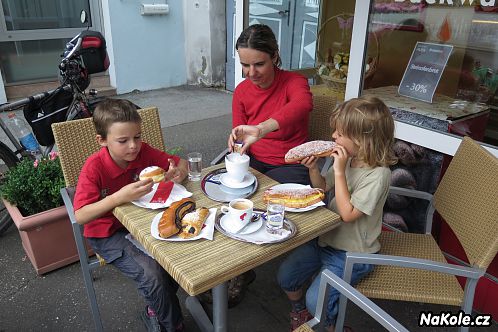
[
  {"x": 53, "y": 155},
  {"x": 35, "y": 163}
]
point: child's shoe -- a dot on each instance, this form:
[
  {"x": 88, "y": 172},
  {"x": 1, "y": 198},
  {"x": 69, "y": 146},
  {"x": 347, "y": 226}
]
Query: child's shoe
[
  {"x": 299, "y": 318},
  {"x": 150, "y": 320}
]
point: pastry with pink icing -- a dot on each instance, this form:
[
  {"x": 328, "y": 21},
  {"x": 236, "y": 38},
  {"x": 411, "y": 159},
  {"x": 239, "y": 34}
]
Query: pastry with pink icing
[{"x": 308, "y": 149}]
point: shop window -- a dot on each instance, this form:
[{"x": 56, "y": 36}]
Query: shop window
[{"x": 466, "y": 97}]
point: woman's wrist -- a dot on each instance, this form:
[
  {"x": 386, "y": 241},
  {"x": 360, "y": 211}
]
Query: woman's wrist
[
  {"x": 261, "y": 130},
  {"x": 266, "y": 127}
]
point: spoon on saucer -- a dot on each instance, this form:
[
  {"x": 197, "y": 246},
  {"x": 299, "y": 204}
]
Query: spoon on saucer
[{"x": 255, "y": 217}]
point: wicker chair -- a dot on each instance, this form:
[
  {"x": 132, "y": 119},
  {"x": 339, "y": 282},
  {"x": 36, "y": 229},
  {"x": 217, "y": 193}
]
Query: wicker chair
[
  {"x": 412, "y": 266},
  {"x": 319, "y": 125},
  {"x": 76, "y": 141},
  {"x": 329, "y": 279}
]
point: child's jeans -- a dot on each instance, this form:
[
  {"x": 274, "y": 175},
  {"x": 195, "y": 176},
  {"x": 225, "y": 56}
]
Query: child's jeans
[
  {"x": 153, "y": 283},
  {"x": 310, "y": 260}
]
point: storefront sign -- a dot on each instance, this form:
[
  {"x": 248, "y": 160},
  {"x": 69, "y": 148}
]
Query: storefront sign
[
  {"x": 424, "y": 71},
  {"x": 450, "y": 2}
]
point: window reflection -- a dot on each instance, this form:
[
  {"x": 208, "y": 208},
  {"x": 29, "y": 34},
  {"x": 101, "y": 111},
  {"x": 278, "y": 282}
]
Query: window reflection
[
  {"x": 46, "y": 14},
  {"x": 471, "y": 74}
]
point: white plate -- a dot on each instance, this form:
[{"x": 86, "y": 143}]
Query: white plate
[
  {"x": 286, "y": 186},
  {"x": 206, "y": 231},
  {"x": 246, "y": 182},
  {"x": 248, "y": 229},
  {"x": 177, "y": 193}
]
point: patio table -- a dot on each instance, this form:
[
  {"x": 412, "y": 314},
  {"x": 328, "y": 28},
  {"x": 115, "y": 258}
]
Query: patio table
[{"x": 202, "y": 264}]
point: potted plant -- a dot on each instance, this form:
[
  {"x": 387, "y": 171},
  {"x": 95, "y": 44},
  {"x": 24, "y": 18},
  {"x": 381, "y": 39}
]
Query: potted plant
[{"x": 31, "y": 194}]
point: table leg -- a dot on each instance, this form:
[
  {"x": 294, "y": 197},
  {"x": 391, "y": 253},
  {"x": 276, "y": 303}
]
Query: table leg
[
  {"x": 220, "y": 310},
  {"x": 220, "y": 307}
]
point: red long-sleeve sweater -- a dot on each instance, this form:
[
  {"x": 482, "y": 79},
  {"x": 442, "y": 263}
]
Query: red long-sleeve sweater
[{"x": 288, "y": 101}]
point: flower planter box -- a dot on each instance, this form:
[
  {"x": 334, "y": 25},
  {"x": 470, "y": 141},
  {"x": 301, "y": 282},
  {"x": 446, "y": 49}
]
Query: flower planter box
[{"x": 47, "y": 238}]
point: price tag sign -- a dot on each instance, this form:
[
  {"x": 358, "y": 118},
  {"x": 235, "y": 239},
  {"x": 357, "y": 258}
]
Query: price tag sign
[{"x": 424, "y": 71}]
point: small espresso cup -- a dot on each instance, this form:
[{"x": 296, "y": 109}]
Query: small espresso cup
[
  {"x": 239, "y": 213},
  {"x": 237, "y": 166}
]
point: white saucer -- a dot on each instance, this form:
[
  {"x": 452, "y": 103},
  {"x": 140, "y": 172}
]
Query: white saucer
[
  {"x": 248, "y": 229},
  {"x": 246, "y": 182},
  {"x": 236, "y": 191}
]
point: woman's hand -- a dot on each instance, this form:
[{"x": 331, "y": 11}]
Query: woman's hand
[
  {"x": 247, "y": 134},
  {"x": 250, "y": 134},
  {"x": 340, "y": 156}
]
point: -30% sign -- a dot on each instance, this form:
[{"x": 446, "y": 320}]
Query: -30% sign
[{"x": 422, "y": 88}]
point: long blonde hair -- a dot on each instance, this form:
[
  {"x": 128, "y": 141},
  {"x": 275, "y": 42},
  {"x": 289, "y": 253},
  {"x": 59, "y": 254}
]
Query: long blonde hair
[{"x": 368, "y": 122}]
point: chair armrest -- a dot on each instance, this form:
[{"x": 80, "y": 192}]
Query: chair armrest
[
  {"x": 411, "y": 193},
  {"x": 67, "y": 194},
  {"x": 328, "y": 279},
  {"x": 429, "y": 213},
  {"x": 409, "y": 262},
  {"x": 219, "y": 157}
]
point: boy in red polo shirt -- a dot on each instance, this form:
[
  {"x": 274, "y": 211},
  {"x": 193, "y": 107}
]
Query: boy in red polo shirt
[{"x": 108, "y": 179}]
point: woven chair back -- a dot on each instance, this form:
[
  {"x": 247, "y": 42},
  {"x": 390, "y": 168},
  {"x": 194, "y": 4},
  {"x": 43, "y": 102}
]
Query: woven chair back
[
  {"x": 467, "y": 198},
  {"x": 319, "y": 125},
  {"x": 76, "y": 141}
]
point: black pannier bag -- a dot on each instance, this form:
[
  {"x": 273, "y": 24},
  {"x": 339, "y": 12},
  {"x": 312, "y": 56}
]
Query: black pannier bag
[
  {"x": 93, "y": 52},
  {"x": 51, "y": 109}
]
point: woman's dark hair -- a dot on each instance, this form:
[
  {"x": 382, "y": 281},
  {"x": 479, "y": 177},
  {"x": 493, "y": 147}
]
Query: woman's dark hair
[{"x": 260, "y": 37}]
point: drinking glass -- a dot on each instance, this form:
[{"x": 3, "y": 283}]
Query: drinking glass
[
  {"x": 194, "y": 160},
  {"x": 275, "y": 216}
]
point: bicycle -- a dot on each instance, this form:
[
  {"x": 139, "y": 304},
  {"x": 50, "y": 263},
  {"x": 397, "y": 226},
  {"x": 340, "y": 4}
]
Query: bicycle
[{"x": 85, "y": 54}]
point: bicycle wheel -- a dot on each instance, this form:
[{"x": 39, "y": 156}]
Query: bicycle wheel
[{"x": 7, "y": 160}]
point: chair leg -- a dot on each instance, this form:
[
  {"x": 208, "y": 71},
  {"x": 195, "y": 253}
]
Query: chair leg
[
  {"x": 87, "y": 276},
  {"x": 343, "y": 301},
  {"x": 468, "y": 299},
  {"x": 86, "y": 266}
]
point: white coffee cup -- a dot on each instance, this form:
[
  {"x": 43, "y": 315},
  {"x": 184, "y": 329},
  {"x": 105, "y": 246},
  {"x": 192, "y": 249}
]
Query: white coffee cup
[
  {"x": 237, "y": 166},
  {"x": 239, "y": 213}
]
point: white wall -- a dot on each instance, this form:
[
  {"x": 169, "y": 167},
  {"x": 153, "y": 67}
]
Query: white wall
[
  {"x": 146, "y": 52},
  {"x": 205, "y": 41}
]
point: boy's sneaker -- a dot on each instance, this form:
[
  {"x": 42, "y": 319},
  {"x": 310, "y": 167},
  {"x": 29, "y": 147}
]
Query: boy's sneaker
[
  {"x": 150, "y": 321},
  {"x": 299, "y": 318}
]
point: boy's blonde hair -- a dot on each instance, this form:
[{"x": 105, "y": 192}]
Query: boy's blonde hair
[
  {"x": 368, "y": 122},
  {"x": 111, "y": 111}
]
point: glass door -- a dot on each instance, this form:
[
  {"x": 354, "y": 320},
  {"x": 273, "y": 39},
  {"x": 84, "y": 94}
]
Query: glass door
[
  {"x": 294, "y": 24},
  {"x": 33, "y": 34}
]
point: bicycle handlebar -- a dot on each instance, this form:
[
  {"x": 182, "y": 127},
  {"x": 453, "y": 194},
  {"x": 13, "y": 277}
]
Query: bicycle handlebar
[{"x": 73, "y": 50}]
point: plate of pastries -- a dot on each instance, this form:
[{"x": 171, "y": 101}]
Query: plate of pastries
[
  {"x": 183, "y": 221},
  {"x": 296, "y": 197}
]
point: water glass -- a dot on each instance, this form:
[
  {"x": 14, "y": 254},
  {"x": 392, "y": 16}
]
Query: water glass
[
  {"x": 194, "y": 160},
  {"x": 275, "y": 216}
]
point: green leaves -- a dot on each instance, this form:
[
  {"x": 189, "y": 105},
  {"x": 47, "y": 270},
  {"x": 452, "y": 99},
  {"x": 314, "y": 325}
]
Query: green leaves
[
  {"x": 34, "y": 186},
  {"x": 174, "y": 151}
]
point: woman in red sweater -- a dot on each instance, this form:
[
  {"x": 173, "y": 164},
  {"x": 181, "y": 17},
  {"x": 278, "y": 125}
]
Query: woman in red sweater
[{"x": 270, "y": 108}]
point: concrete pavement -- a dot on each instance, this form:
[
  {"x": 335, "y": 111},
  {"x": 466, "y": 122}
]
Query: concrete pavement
[{"x": 194, "y": 119}]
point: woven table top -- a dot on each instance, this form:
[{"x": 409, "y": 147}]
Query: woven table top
[{"x": 201, "y": 265}]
